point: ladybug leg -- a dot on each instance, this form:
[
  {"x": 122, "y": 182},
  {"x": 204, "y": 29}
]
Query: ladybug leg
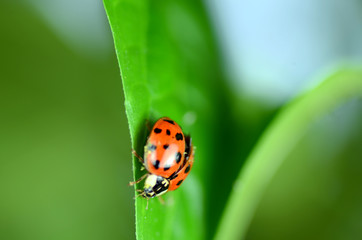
[
  {"x": 148, "y": 125},
  {"x": 137, "y": 156},
  {"x": 162, "y": 201},
  {"x": 139, "y": 180},
  {"x": 140, "y": 159},
  {"x": 140, "y": 193}
]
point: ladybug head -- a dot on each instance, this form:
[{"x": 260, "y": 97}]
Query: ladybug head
[{"x": 155, "y": 186}]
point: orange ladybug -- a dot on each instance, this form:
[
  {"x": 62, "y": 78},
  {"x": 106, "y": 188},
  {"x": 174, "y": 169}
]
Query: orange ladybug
[{"x": 168, "y": 158}]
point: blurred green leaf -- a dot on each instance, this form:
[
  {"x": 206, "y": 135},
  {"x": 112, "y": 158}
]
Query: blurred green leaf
[
  {"x": 277, "y": 142},
  {"x": 64, "y": 142},
  {"x": 317, "y": 187}
]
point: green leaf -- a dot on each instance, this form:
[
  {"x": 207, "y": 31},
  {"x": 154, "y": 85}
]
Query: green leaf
[
  {"x": 276, "y": 143},
  {"x": 169, "y": 67}
]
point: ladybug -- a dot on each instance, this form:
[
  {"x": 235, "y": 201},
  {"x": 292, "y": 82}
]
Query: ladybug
[{"x": 168, "y": 158}]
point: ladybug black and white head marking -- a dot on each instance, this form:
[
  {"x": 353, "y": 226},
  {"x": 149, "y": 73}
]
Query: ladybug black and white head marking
[{"x": 155, "y": 186}]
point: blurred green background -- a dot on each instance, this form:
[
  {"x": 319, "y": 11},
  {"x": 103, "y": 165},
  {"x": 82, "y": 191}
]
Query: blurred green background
[
  {"x": 65, "y": 146},
  {"x": 64, "y": 143}
]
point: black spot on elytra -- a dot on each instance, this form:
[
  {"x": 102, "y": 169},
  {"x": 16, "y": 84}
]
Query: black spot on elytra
[
  {"x": 179, "y": 136},
  {"x": 173, "y": 176},
  {"x": 165, "y": 146},
  {"x": 152, "y": 147},
  {"x": 169, "y": 121},
  {"x": 179, "y": 183},
  {"x": 166, "y": 168},
  {"x": 178, "y": 157},
  {"x": 156, "y": 164},
  {"x": 187, "y": 169},
  {"x": 157, "y": 130},
  {"x": 168, "y": 132}
]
